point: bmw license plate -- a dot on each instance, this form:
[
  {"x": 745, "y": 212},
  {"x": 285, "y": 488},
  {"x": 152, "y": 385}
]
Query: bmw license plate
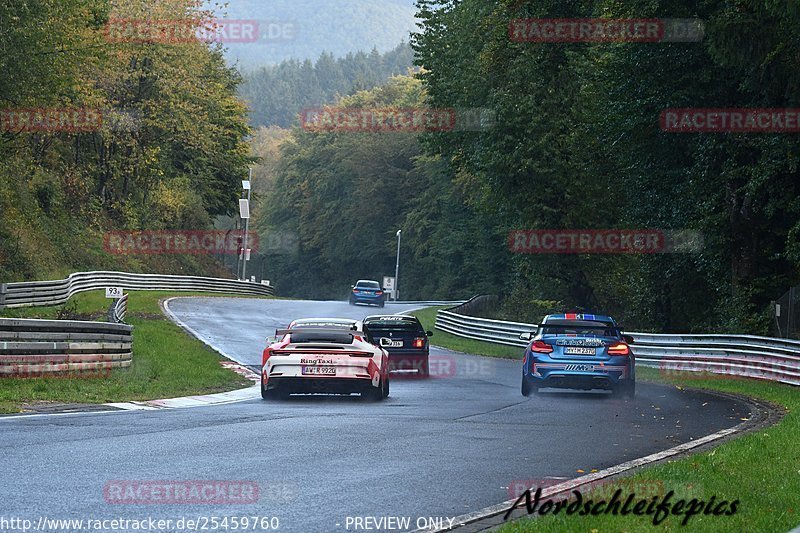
[
  {"x": 389, "y": 343},
  {"x": 578, "y": 350},
  {"x": 579, "y": 368},
  {"x": 318, "y": 370}
]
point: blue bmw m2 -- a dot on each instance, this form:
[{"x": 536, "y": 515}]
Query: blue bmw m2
[{"x": 578, "y": 351}]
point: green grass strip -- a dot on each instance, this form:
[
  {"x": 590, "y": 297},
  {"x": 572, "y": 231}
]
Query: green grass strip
[{"x": 167, "y": 362}]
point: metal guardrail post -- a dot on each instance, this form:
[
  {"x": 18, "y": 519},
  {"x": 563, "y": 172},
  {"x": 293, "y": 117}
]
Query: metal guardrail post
[
  {"x": 111, "y": 314},
  {"x": 3, "y": 290}
]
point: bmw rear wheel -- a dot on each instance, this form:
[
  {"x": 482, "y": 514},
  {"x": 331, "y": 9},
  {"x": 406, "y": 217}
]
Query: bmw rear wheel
[
  {"x": 629, "y": 390},
  {"x": 528, "y": 388},
  {"x": 626, "y": 389},
  {"x": 424, "y": 369}
]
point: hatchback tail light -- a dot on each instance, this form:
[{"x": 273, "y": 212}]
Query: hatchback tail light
[
  {"x": 541, "y": 347},
  {"x": 418, "y": 343},
  {"x": 619, "y": 349}
]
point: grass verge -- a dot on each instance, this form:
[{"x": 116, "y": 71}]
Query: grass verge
[
  {"x": 167, "y": 362},
  {"x": 761, "y": 470},
  {"x": 460, "y": 344}
]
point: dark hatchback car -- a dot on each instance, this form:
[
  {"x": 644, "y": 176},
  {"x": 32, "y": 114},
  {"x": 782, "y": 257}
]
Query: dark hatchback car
[
  {"x": 579, "y": 351},
  {"x": 404, "y": 338},
  {"x": 367, "y": 292}
]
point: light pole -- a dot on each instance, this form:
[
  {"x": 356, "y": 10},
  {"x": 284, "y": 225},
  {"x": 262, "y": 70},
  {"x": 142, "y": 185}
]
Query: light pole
[
  {"x": 247, "y": 185},
  {"x": 397, "y": 268}
]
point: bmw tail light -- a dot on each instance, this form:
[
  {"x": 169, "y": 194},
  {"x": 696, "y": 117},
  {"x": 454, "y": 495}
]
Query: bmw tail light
[
  {"x": 619, "y": 349},
  {"x": 541, "y": 347},
  {"x": 418, "y": 343}
]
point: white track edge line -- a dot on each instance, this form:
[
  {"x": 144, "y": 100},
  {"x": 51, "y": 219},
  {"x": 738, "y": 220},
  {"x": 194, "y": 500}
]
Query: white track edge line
[{"x": 579, "y": 481}]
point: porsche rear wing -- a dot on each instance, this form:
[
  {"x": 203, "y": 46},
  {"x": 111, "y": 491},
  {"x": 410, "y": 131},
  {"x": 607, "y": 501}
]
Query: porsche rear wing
[{"x": 325, "y": 330}]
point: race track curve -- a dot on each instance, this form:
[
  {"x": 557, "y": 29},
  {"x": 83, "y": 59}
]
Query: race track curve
[{"x": 439, "y": 447}]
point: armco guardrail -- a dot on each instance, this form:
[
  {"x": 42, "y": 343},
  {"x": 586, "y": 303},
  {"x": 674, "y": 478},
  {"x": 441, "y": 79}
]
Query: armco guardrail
[
  {"x": 33, "y": 348},
  {"x": 118, "y": 310},
  {"x": 32, "y": 293},
  {"x": 424, "y": 302},
  {"x": 737, "y": 355}
]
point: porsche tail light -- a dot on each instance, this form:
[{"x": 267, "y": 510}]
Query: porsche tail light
[
  {"x": 418, "y": 343},
  {"x": 619, "y": 349},
  {"x": 541, "y": 347}
]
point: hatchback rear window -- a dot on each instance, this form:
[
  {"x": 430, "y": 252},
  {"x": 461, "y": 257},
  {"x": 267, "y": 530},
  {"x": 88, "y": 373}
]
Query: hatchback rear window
[
  {"x": 581, "y": 328},
  {"x": 393, "y": 326}
]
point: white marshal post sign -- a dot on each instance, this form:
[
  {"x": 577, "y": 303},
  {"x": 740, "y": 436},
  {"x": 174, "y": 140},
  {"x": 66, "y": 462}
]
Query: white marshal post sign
[
  {"x": 114, "y": 292},
  {"x": 388, "y": 286}
]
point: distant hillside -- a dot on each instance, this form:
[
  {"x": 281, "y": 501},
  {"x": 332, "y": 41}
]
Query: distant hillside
[
  {"x": 276, "y": 94},
  {"x": 316, "y": 26}
]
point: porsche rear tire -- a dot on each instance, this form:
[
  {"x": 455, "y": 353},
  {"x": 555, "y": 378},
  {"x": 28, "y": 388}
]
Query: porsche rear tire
[
  {"x": 268, "y": 394},
  {"x": 378, "y": 393}
]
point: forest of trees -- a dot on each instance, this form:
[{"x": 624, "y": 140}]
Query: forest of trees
[
  {"x": 338, "y": 27},
  {"x": 276, "y": 94},
  {"x": 169, "y": 152},
  {"x": 577, "y": 144}
]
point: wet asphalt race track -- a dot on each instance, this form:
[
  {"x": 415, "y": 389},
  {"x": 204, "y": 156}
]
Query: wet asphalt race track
[{"x": 439, "y": 447}]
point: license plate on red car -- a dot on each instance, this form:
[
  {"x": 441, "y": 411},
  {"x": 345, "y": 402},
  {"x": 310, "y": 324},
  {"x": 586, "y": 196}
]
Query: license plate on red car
[
  {"x": 318, "y": 370},
  {"x": 579, "y": 350}
]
